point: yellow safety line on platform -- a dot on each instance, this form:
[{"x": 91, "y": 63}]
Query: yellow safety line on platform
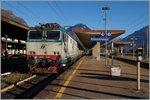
[{"x": 61, "y": 91}]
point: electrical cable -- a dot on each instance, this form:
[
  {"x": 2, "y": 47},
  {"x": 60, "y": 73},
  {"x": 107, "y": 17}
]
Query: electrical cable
[
  {"x": 55, "y": 12},
  {"x": 61, "y": 12},
  {"x": 30, "y": 11},
  {"x": 20, "y": 11},
  {"x": 138, "y": 18}
]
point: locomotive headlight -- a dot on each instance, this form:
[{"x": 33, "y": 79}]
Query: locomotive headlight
[
  {"x": 35, "y": 57},
  {"x": 63, "y": 64}
]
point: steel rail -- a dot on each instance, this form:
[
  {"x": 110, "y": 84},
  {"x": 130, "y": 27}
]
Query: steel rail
[{"x": 18, "y": 83}]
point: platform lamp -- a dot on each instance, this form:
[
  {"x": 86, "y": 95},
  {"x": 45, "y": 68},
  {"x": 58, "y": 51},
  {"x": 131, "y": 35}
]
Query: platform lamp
[
  {"x": 6, "y": 36},
  {"x": 105, "y": 19}
]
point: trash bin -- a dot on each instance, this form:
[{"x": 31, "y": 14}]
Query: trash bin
[{"x": 115, "y": 70}]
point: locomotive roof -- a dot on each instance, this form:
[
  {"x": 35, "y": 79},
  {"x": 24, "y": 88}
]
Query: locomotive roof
[
  {"x": 73, "y": 35},
  {"x": 70, "y": 33}
]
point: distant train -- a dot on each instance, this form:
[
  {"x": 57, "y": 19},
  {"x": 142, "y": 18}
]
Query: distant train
[{"x": 50, "y": 48}]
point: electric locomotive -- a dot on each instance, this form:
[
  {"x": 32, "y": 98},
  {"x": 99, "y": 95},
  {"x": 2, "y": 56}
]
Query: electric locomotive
[{"x": 50, "y": 48}]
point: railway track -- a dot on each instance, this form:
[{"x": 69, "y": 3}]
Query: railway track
[
  {"x": 133, "y": 62},
  {"x": 36, "y": 88},
  {"x": 28, "y": 88},
  {"x": 18, "y": 83},
  {"x": 20, "y": 87},
  {"x": 22, "y": 90},
  {"x": 30, "y": 93}
]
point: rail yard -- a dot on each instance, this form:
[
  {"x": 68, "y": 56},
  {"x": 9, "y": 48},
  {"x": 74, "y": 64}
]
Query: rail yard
[{"x": 53, "y": 60}]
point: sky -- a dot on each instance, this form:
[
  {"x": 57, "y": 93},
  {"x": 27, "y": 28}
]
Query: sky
[{"x": 123, "y": 15}]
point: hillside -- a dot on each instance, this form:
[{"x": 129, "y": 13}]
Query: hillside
[
  {"x": 142, "y": 38},
  {"x": 9, "y": 14}
]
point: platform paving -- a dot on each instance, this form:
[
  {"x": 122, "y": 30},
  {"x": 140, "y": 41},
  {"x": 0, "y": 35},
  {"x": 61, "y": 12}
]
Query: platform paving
[{"x": 91, "y": 79}]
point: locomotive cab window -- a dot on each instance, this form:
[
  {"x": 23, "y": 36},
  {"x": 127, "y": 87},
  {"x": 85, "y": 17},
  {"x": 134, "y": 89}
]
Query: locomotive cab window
[
  {"x": 54, "y": 35},
  {"x": 35, "y": 35}
]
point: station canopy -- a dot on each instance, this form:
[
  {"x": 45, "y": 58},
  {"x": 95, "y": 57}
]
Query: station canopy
[
  {"x": 85, "y": 36},
  {"x": 120, "y": 43},
  {"x": 13, "y": 26}
]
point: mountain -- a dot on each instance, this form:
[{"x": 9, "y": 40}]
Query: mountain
[
  {"x": 77, "y": 26},
  {"x": 81, "y": 26},
  {"x": 9, "y": 14},
  {"x": 141, "y": 38},
  {"x": 73, "y": 35}
]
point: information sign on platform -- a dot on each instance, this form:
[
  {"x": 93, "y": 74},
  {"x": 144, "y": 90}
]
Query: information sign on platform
[{"x": 99, "y": 39}]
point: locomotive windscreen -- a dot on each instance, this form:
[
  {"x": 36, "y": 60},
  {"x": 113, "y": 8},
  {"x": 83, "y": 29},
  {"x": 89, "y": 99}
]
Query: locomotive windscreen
[
  {"x": 35, "y": 35},
  {"x": 53, "y": 35}
]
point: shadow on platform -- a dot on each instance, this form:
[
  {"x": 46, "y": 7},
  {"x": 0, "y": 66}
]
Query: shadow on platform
[
  {"x": 95, "y": 91},
  {"x": 109, "y": 77}
]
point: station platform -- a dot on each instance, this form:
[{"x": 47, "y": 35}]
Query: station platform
[{"x": 91, "y": 79}]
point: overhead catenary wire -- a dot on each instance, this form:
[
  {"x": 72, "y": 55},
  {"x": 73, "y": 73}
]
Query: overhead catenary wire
[
  {"x": 60, "y": 10},
  {"x": 99, "y": 21},
  {"x": 62, "y": 17},
  {"x": 21, "y": 12},
  {"x": 141, "y": 21},
  {"x": 31, "y": 12},
  {"x": 56, "y": 12},
  {"x": 137, "y": 19},
  {"x": 129, "y": 29}
]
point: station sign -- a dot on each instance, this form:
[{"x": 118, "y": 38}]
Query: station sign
[
  {"x": 104, "y": 33},
  {"x": 99, "y": 39},
  {"x": 109, "y": 34}
]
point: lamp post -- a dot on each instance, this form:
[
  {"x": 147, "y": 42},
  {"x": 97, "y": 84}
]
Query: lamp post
[
  {"x": 147, "y": 53},
  {"x": 105, "y": 19}
]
